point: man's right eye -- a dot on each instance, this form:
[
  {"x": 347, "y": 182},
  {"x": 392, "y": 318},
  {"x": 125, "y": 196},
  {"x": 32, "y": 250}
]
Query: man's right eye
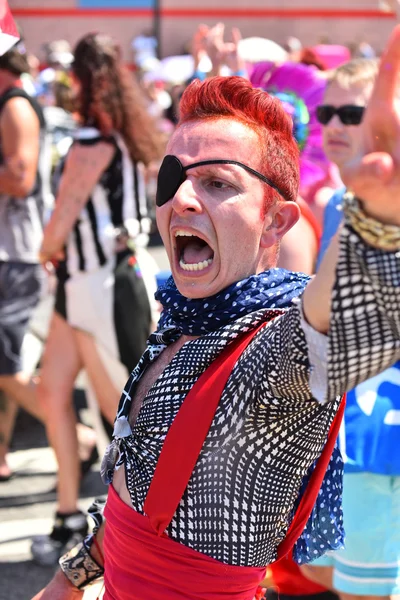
[{"x": 218, "y": 184}]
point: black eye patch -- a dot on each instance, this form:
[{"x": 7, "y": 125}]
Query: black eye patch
[{"x": 172, "y": 174}]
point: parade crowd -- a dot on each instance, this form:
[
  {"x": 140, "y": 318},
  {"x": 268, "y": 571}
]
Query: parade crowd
[{"x": 82, "y": 140}]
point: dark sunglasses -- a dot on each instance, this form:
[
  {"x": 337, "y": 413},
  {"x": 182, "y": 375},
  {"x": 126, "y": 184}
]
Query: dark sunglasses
[
  {"x": 172, "y": 174},
  {"x": 348, "y": 114}
]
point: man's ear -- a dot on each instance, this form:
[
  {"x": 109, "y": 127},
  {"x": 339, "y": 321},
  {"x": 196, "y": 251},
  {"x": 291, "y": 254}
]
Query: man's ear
[{"x": 279, "y": 219}]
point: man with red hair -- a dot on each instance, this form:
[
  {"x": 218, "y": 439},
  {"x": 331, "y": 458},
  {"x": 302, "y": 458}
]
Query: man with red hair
[{"x": 225, "y": 427}]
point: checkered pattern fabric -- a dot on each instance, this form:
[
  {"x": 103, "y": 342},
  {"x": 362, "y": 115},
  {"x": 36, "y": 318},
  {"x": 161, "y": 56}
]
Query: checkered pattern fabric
[{"x": 268, "y": 429}]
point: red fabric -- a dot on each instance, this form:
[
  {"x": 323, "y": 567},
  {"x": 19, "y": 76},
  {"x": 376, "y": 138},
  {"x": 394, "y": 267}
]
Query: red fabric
[
  {"x": 8, "y": 30},
  {"x": 187, "y": 433},
  {"x": 289, "y": 580},
  {"x": 140, "y": 565}
]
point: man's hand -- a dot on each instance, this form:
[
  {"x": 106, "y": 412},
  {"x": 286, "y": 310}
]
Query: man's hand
[
  {"x": 215, "y": 47},
  {"x": 224, "y": 53},
  {"x": 232, "y": 53},
  {"x": 374, "y": 174},
  {"x": 59, "y": 588},
  {"x": 198, "y": 45}
]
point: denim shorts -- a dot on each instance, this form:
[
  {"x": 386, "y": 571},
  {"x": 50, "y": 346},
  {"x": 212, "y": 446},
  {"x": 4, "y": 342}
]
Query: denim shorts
[
  {"x": 20, "y": 288},
  {"x": 370, "y": 561}
]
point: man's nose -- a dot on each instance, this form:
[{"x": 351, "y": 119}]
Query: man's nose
[
  {"x": 186, "y": 198},
  {"x": 335, "y": 123}
]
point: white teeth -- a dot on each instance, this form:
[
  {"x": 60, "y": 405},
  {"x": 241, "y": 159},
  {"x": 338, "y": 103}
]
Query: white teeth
[
  {"x": 195, "y": 266},
  {"x": 182, "y": 233}
]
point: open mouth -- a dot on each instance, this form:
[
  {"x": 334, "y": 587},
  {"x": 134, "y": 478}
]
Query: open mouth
[
  {"x": 194, "y": 254},
  {"x": 338, "y": 143}
]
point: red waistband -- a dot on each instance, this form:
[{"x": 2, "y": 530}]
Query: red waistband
[{"x": 140, "y": 565}]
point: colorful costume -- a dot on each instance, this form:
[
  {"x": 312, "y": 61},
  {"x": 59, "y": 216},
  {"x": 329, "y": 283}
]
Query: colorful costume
[{"x": 272, "y": 420}]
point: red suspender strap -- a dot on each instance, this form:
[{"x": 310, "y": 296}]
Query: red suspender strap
[
  {"x": 187, "y": 433},
  {"x": 309, "y": 497}
]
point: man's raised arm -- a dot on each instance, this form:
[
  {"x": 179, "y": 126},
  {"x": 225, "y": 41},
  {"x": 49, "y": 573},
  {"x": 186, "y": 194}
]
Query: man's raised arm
[{"x": 355, "y": 297}]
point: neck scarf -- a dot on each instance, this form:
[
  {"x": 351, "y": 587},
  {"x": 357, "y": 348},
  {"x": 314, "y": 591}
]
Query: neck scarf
[{"x": 275, "y": 288}]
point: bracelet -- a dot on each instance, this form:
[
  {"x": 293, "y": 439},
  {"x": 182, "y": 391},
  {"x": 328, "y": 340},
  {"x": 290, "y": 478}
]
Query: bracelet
[
  {"x": 78, "y": 566},
  {"x": 372, "y": 232}
]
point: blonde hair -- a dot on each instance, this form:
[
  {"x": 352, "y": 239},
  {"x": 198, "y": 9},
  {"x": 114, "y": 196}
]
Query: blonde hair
[{"x": 355, "y": 72}]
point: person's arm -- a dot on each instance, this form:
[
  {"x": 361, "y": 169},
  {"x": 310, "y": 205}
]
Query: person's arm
[
  {"x": 83, "y": 169},
  {"x": 346, "y": 327},
  {"x": 373, "y": 176},
  {"x": 20, "y": 140},
  {"x": 355, "y": 296},
  {"x": 61, "y": 588}
]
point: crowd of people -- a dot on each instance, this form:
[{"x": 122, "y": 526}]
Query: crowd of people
[{"x": 265, "y": 152}]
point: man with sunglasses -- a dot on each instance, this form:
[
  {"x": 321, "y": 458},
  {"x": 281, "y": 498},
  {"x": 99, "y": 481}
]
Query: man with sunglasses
[
  {"x": 370, "y": 563},
  {"x": 347, "y": 94},
  {"x": 207, "y": 471}
]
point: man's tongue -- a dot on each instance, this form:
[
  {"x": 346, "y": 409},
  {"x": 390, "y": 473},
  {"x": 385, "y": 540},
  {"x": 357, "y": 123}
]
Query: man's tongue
[{"x": 196, "y": 251}]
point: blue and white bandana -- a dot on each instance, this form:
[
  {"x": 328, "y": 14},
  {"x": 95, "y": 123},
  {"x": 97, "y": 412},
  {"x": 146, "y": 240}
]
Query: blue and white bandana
[{"x": 275, "y": 288}]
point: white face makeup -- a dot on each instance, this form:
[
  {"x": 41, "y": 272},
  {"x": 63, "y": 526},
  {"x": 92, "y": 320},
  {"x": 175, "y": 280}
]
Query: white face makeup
[{"x": 212, "y": 227}]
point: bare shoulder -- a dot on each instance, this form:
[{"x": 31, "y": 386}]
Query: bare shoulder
[{"x": 19, "y": 112}]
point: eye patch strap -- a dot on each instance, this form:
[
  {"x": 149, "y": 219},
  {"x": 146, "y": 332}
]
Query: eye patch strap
[
  {"x": 239, "y": 164},
  {"x": 172, "y": 174}
]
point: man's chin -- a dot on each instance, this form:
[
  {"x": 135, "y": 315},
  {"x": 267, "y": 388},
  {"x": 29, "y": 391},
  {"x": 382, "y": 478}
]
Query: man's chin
[
  {"x": 197, "y": 287},
  {"x": 196, "y": 284},
  {"x": 193, "y": 289}
]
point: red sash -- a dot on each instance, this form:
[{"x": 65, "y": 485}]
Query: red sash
[{"x": 140, "y": 565}]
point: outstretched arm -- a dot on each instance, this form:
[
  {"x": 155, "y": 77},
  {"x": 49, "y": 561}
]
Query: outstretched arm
[
  {"x": 374, "y": 177},
  {"x": 355, "y": 296}
]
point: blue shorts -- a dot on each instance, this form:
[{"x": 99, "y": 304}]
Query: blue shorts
[{"x": 370, "y": 562}]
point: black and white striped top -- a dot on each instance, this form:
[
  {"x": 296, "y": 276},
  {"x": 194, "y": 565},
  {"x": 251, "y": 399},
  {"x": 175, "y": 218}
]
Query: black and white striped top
[{"x": 118, "y": 200}]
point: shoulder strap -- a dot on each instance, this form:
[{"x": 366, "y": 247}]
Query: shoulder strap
[{"x": 187, "y": 433}]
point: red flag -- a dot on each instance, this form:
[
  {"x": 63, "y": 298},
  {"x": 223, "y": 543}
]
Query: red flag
[{"x": 8, "y": 30}]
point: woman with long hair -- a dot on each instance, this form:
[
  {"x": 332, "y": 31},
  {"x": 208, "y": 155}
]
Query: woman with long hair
[{"x": 102, "y": 314}]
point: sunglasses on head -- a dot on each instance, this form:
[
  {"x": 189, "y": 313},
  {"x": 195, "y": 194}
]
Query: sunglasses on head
[
  {"x": 348, "y": 114},
  {"x": 172, "y": 174}
]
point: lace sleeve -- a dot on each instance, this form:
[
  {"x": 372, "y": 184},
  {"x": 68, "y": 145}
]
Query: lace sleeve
[{"x": 364, "y": 334}]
